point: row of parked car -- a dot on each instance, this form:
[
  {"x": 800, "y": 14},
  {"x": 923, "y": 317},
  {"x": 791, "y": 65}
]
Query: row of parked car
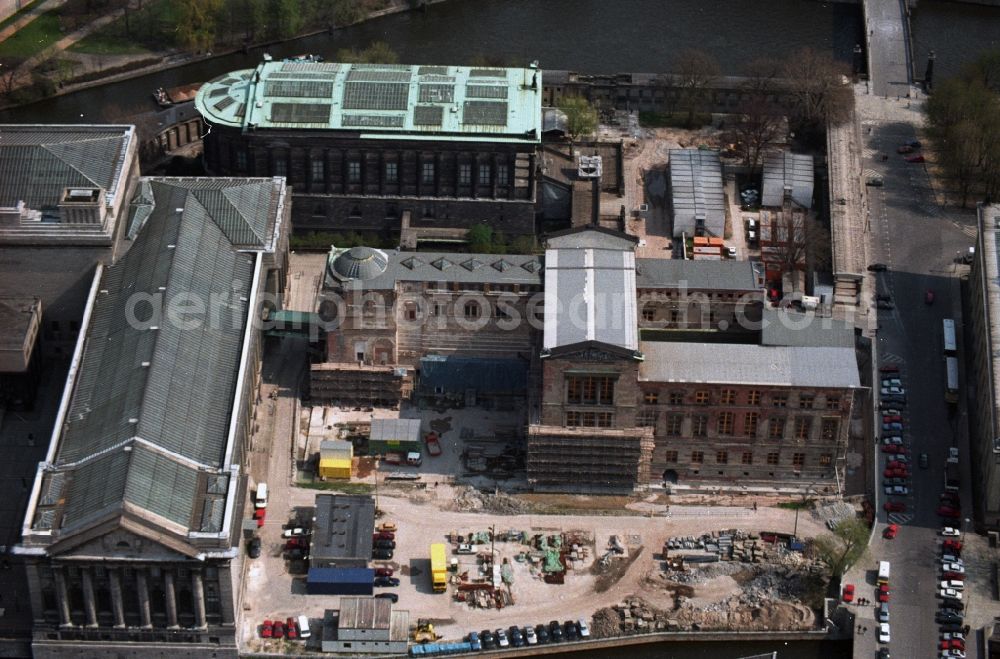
[
  {"x": 291, "y": 628},
  {"x": 517, "y": 637},
  {"x": 896, "y": 474}
]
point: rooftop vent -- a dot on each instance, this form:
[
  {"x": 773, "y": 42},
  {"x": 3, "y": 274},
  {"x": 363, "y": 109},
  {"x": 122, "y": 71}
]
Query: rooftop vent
[{"x": 589, "y": 167}]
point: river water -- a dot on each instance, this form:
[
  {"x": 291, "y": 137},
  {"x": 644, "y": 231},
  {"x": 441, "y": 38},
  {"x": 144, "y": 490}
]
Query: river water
[{"x": 582, "y": 35}]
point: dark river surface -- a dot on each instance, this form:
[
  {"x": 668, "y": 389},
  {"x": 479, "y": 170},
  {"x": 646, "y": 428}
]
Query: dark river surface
[{"x": 590, "y": 36}]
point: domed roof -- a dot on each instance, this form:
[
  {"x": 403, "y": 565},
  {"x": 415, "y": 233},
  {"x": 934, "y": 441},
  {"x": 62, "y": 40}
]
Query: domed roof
[{"x": 361, "y": 263}]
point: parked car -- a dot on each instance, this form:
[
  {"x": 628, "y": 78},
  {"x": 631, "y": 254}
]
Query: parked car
[
  {"x": 516, "y": 637},
  {"x": 952, "y": 546},
  {"x": 529, "y": 635},
  {"x": 385, "y": 544},
  {"x": 296, "y": 555},
  {"x": 895, "y": 506},
  {"x": 951, "y": 593},
  {"x": 542, "y": 632},
  {"x": 392, "y": 597},
  {"x": 892, "y": 382},
  {"x": 474, "y": 641},
  {"x": 924, "y": 461},
  {"x": 892, "y": 411},
  {"x": 253, "y": 547},
  {"x": 955, "y": 584},
  {"x": 848, "y": 595},
  {"x": 267, "y": 629},
  {"x": 885, "y": 305},
  {"x": 891, "y": 531},
  {"x": 882, "y": 613},
  {"x": 957, "y": 636},
  {"x": 892, "y": 439},
  {"x": 883, "y": 633},
  {"x": 297, "y": 543},
  {"x": 948, "y": 511},
  {"x": 259, "y": 514},
  {"x": 384, "y": 572},
  {"x": 892, "y": 426},
  {"x": 279, "y": 628},
  {"x": 950, "y": 532},
  {"x": 956, "y": 576},
  {"x": 956, "y": 568},
  {"x": 888, "y": 368},
  {"x": 387, "y": 526},
  {"x": 381, "y": 554},
  {"x": 896, "y": 473},
  {"x": 951, "y": 559},
  {"x": 898, "y": 462},
  {"x": 384, "y": 535},
  {"x": 878, "y": 267},
  {"x": 953, "y": 603},
  {"x": 918, "y": 158},
  {"x": 883, "y": 593},
  {"x": 896, "y": 490},
  {"x": 892, "y": 418},
  {"x": 386, "y": 582},
  {"x": 487, "y": 639},
  {"x": 581, "y": 626},
  {"x": 893, "y": 391},
  {"x": 465, "y": 548},
  {"x": 948, "y": 617},
  {"x": 502, "y": 640},
  {"x": 291, "y": 629},
  {"x": 569, "y": 629},
  {"x": 555, "y": 631},
  {"x": 294, "y": 532},
  {"x": 895, "y": 449}
]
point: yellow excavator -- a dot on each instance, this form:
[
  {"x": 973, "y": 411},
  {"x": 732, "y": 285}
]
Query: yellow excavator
[{"x": 424, "y": 632}]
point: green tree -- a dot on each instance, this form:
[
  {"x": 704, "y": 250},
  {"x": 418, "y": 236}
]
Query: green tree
[
  {"x": 480, "y": 237},
  {"x": 581, "y": 117},
  {"x": 523, "y": 245},
  {"x": 377, "y": 52},
  {"x": 196, "y": 23},
  {"x": 844, "y": 547},
  {"x": 284, "y": 17}
]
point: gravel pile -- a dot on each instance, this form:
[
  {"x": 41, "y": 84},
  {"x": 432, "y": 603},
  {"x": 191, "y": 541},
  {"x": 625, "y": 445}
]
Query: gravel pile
[
  {"x": 471, "y": 500},
  {"x": 834, "y": 511}
]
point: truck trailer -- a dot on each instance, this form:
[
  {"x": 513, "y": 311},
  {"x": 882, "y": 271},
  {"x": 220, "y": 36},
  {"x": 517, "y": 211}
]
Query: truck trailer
[{"x": 439, "y": 568}]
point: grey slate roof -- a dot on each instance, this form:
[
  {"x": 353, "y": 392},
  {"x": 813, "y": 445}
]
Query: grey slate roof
[
  {"x": 590, "y": 295},
  {"x": 428, "y": 267},
  {"x": 343, "y": 527},
  {"x": 794, "y": 170},
  {"x": 148, "y": 421},
  {"x": 696, "y": 191},
  {"x": 724, "y": 275},
  {"x": 790, "y": 328},
  {"x": 38, "y": 161},
  {"x": 729, "y": 363}
]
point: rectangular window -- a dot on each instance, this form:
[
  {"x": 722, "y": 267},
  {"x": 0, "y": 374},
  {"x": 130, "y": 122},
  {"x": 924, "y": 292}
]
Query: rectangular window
[
  {"x": 391, "y": 172},
  {"x": 676, "y": 397},
  {"x": 750, "y": 422},
  {"x": 605, "y": 419},
  {"x": 651, "y": 397},
  {"x": 646, "y": 418},
  {"x": 779, "y": 400},
  {"x": 806, "y": 401},
  {"x": 833, "y": 402},
  {"x": 484, "y": 175},
  {"x": 572, "y": 419},
  {"x": 590, "y": 390},
  {"x": 699, "y": 425},
  {"x": 725, "y": 423},
  {"x": 354, "y": 171},
  {"x": 776, "y": 427},
  {"x": 472, "y": 310},
  {"x": 697, "y": 457},
  {"x": 316, "y": 171},
  {"x": 772, "y": 458},
  {"x": 464, "y": 174},
  {"x": 503, "y": 175},
  {"x": 701, "y": 397},
  {"x": 728, "y": 397},
  {"x": 280, "y": 167},
  {"x": 753, "y": 397},
  {"x": 746, "y": 458},
  {"x": 798, "y": 459},
  {"x": 674, "y": 422},
  {"x": 427, "y": 172},
  {"x": 825, "y": 459},
  {"x": 830, "y": 428},
  {"x": 670, "y": 456},
  {"x": 803, "y": 424},
  {"x": 722, "y": 457},
  {"x": 648, "y": 314}
]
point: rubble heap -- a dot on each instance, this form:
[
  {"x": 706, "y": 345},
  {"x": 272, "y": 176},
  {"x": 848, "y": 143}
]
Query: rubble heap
[{"x": 469, "y": 499}]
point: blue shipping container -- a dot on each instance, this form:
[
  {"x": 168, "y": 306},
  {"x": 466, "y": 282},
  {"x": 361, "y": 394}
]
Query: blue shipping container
[{"x": 340, "y": 581}]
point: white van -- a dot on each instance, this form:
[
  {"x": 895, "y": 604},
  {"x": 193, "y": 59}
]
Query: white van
[
  {"x": 260, "y": 501},
  {"x": 304, "y": 631}
]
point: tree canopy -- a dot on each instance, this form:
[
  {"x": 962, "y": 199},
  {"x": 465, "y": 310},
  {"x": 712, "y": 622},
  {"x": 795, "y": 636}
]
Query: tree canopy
[
  {"x": 581, "y": 117},
  {"x": 844, "y": 547}
]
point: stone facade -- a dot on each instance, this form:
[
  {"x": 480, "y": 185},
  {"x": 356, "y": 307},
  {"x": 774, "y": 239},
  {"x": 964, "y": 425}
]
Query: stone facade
[{"x": 349, "y": 183}]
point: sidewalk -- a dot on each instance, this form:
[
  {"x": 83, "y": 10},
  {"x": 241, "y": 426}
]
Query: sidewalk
[{"x": 29, "y": 15}]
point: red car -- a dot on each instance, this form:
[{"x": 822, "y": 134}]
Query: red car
[
  {"x": 259, "y": 515},
  {"x": 883, "y": 593},
  {"x": 889, "y": 368},
  {"x": 892, "y": 418},
  {"x": 952, "y": 546},
  {"x": 895, "y": 506},
  {"x": 929, "y": 297},
  {"x": 297, "y": 543},
  {"x": 267, "y": 629},
  {"x": 279, "y": 629},
  {"x": 894, "y": 448},
  {"x": 383, "y": 572},
  {"x": 897, "y": 464},
  {"x": 849, "y": 592},
  {"x": 896, "y": 473},
  {"x": 384, "y": 535},
  {"x": 953, "y": 576},
  {"x": 291, "y": 629},
  {"x": 947, "y": 511},
  {"x": 953, "y": 644},
  {"x": 917, "y": 158},
  {"x": 890, "y": 532}
]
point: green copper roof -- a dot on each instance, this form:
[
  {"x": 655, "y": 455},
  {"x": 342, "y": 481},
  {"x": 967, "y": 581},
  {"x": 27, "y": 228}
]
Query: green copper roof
[{"x": 380, "y": 100}]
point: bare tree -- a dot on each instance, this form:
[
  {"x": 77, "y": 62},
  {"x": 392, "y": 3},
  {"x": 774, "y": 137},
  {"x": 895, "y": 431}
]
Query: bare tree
[
  {"x": 696, "y": 72},
  {"x": 819, "y": 87},
  {"x": 8, "y": 73},
  {"x": 759, "y": 126}
]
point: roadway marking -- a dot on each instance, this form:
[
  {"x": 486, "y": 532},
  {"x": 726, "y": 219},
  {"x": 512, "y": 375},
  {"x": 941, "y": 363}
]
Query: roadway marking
[
  {"x": 900, "y": 518},
  {"x": 892, "y": 358}
]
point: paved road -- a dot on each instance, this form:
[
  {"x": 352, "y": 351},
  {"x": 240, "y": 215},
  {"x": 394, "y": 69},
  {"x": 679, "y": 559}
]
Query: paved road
[
  {"x": 888, "y": 47},
  {"x": 918, "y": 240}
]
